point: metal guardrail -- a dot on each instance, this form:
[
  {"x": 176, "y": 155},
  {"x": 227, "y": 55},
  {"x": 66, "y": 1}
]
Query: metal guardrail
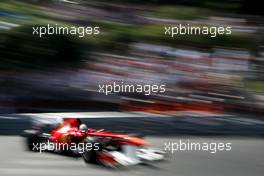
[{"x": 147, "y": 124}]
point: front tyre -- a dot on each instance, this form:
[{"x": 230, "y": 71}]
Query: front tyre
[{"x": 89, "y": 155}]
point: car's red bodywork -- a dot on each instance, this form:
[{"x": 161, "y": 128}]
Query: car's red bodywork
[{"x": 69, "y": 131}]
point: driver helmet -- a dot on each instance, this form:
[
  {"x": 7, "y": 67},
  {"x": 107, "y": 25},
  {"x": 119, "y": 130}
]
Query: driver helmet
[{"x": 83, "y": 128}]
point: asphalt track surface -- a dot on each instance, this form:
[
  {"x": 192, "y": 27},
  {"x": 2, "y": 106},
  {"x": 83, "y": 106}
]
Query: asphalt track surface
[{"x": 246, "y": 158}]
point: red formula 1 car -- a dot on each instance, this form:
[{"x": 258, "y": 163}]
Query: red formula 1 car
[{"x": 96, "y": 146}]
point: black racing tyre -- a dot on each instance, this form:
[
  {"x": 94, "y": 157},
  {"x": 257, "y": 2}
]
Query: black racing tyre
[
  {"x": 89, "y": 156},
  {"x": 32, "y": 141}
]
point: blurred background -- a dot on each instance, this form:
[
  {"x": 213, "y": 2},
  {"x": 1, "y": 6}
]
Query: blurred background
[
  {"x": 62, "y": 73},
  {"x": 204, "y": 76}
]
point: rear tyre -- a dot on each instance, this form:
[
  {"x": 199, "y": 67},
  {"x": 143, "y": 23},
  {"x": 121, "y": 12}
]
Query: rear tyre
[{"x": 33, "y": 141}]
